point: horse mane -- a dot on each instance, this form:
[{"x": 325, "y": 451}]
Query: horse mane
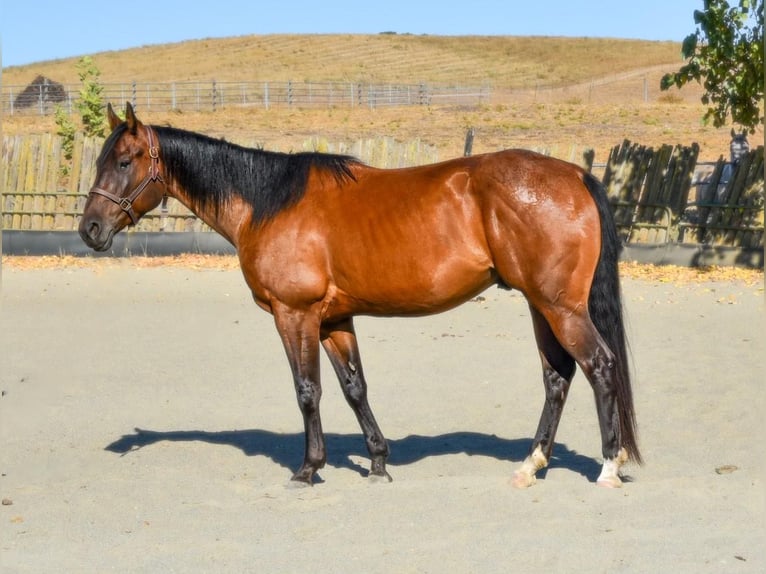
[{"x": 212, "y": 171}]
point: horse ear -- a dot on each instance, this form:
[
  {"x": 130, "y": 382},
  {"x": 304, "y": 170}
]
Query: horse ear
[
  {"x": 114, "y": 119},
  {"x": 131, "y": 119}
]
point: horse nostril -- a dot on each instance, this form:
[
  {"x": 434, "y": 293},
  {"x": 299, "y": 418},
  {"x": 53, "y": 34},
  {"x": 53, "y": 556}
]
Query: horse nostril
[{"x": 90, "y": 229}]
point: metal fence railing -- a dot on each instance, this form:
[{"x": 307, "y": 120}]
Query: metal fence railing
[{"x": 42, "y": 98}]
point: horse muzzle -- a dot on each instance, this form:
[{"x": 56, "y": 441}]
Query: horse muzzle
[{"x": 96, "y": 234}]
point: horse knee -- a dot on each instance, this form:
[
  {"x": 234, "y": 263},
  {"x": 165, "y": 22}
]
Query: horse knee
[
  {"x": 354, "y": 386},
  {"x": 308, "y": 394}
]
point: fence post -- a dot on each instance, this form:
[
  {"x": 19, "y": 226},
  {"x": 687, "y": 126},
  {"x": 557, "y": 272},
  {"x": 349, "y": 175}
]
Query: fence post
[
  {"x": 133, "y": 95},
  {"x": 214, "y": 95},
  {"x": 587, "y": 159},
  {"x": 266, "y": 94},
  {"x": 289, "y": 93},
  {"x": 468, "y": 148}
]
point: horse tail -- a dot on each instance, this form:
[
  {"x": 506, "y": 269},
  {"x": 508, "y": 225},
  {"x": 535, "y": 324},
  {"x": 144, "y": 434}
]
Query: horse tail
[{"x": 605, "y": 307}]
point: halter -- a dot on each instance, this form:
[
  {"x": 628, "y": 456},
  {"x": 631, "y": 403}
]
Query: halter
[{"x": 126, "y": 203}]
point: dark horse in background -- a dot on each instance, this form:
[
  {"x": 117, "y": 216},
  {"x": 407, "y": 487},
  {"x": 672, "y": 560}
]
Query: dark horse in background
[
  {"x": 739, "y": 147},
  {"x": 322, "y": 238}
]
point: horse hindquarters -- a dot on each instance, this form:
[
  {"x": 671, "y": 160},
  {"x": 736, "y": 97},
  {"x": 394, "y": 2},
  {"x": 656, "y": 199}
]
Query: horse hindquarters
[{"x": 552, "y": 236}]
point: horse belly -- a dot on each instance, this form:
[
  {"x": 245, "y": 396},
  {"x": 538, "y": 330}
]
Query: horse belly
[{"x": 414, "y": 280}]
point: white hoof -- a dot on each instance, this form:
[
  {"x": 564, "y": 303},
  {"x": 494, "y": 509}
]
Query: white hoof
[
  {"x": 524, "y": 477},
  {"x": 610, "y": 472},
  {"x": 522, "y": 480}
]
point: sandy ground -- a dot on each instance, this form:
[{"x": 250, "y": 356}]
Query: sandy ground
[{"x": 149, "y": 425}]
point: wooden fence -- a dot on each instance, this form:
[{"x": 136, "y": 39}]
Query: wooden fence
[
  {"x": 207, "y": 96},
  {"x": 650, "y": 190},
  {"x": 37, "y": 196}
]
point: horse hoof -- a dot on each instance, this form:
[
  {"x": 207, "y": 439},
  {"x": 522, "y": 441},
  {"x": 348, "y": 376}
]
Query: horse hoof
[
  {"x": 384, "y": 478},
  {"x": 522, "y": 480},
  {"x": 297, "y": 485},
  {"x": 298, "y": 482},
  {"x": 609, "y": 482},
  {"x": 610, "y": 472}
]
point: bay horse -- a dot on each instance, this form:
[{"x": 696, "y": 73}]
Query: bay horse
[{"x": 322, "y": 238}]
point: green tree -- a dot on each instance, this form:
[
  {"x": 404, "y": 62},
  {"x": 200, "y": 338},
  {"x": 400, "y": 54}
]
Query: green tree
[
  {"x": 91, "y": 101},
  {"x": 89, "y": 105},
  {"x": 725, "y": 55},
  {"x": 66, "y": 129}
]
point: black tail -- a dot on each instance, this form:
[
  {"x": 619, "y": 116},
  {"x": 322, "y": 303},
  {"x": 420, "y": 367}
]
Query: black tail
[{"x": 605, "y": 305}]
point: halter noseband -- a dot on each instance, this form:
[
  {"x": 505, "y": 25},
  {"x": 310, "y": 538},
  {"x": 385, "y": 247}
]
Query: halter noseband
[{"x": 126, "y": 203}]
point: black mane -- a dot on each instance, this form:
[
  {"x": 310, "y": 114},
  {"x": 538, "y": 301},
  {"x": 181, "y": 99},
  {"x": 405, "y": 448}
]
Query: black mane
[{"x": 212, "y": 171}]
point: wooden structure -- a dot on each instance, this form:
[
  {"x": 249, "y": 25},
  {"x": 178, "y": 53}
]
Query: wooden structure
[
  {"x": 650, "y": 194},
  {"x": 650, "y": 190}
]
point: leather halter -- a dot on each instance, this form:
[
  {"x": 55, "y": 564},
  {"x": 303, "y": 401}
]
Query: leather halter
[{"x": 126, "y": 203}]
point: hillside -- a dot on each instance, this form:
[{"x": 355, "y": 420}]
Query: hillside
[
  {"x": 557, "y": 94},
  {"x": 505, "y": 62}
]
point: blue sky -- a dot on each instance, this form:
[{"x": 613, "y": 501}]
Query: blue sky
[{"x": 38, "y": 30}]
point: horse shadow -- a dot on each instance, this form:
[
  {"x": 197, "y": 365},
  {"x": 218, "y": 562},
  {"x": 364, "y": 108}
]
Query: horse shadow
[{"x": 286, "y": 449}]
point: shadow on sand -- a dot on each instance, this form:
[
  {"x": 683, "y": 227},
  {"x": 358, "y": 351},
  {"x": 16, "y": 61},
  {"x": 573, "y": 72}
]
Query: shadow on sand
[{"x": 286, "y": 449}]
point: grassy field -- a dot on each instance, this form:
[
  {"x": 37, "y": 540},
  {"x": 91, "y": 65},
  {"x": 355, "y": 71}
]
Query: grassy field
[{"x": 561, "y": 95}]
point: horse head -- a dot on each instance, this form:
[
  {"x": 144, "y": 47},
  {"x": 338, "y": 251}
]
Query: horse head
[
  {"x": 738, "y": 146},
  {"x": 128, "y": 180}
]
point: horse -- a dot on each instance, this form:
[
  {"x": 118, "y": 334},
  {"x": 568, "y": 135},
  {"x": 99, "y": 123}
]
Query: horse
[
  {"x": 322, "y": 238},
  {"x": 739, "y": 147}
]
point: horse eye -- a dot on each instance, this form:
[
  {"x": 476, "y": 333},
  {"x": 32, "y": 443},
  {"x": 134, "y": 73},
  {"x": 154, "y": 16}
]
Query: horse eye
[{"x": 124, "y": 164}]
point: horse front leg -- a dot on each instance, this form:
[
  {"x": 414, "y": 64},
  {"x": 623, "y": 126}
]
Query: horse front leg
[
  {"x": 339, "y": 341},
  {"x": 299, "y": 331}
]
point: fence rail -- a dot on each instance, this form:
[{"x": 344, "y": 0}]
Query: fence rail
[
  {"x": 42, "y": 98},
  {"x": 36, "y": 196},
  {"x": 650, "y": 189}
]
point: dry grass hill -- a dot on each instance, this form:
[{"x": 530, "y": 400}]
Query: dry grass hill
[{"x": 559, "y": 94}]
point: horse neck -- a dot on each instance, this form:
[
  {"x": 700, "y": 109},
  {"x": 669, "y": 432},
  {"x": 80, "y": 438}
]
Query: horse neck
[
  {"x": 226, "y": 217},
  {"x": 227, "y": 221}
]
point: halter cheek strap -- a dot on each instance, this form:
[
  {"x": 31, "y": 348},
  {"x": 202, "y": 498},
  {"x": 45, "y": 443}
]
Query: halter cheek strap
[{"x": 126, "y": 203}]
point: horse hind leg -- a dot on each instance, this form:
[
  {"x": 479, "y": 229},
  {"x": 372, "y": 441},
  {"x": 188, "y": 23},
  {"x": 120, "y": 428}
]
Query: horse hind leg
[
  {"x": 341, "y": 346},
  {"x": 582, "y": 341},
  {"x": 558, "y": 370},
  {"x": 600, "y": 371}
]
